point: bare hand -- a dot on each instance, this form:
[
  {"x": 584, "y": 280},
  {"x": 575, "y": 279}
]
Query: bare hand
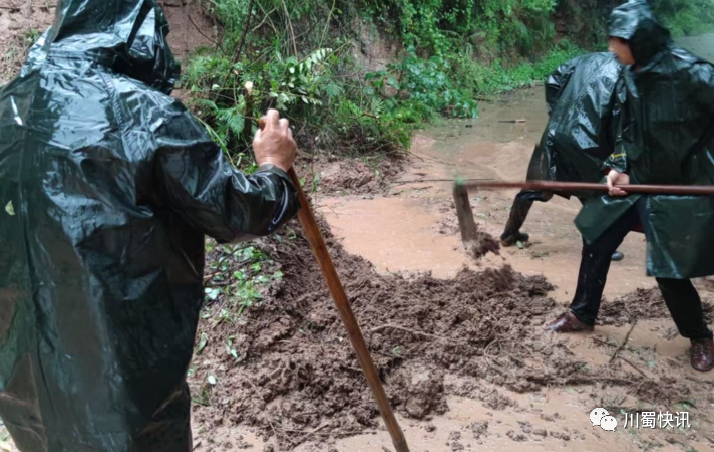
[
  {"x": 616, "y": 178},
  {"x": 274, "y": 142}
]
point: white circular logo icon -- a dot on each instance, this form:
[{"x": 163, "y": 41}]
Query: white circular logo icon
[
  {"x": 608, "y": 423},
  {"x": 597, "y": 414}
]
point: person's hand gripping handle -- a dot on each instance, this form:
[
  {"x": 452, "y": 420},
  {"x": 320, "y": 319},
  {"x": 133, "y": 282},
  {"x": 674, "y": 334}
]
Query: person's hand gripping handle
[{"x": 273, "y": 143}]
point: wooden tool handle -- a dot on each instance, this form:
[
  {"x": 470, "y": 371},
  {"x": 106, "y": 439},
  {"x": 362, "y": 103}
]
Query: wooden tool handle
[
  {"x": 680, "y": 190},
  {"x": 317, "y": 243},
  {"x": 319, "y": 249}
]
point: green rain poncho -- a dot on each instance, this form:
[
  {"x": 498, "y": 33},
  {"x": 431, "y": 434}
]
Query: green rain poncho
[
  {"x": 666, "y": 136},
  {"x": 107, "y": 187}
]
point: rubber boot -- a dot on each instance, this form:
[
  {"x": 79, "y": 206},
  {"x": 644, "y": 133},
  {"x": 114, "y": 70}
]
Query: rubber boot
[{"x": 511, "y": 233}]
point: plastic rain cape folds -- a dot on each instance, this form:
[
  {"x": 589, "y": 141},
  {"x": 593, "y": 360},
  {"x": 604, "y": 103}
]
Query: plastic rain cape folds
[
  {"x": 665, "y": 136},
  {"x": 579, "y": 137},
  {"x": 107, "y": 187}
]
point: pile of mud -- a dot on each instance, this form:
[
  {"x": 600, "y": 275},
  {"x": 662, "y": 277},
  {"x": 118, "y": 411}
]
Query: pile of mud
[
  {"x": 20, "y": 24},
  {"x": 296, "y": 373},
  {"x": 331, "y": 175},
  {"x": 482, "y": 244},
  {"x": 642, "y": 304}
]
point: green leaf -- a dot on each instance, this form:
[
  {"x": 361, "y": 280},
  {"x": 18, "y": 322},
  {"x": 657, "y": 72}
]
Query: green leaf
[
  {"x": 232, "y": 118},
  {"x": 202, "y": 343},
  {"x": 519, "y": 245},
  {"x": 10, "y": 209},
  {"x": 212, "y": 380},
  {"x": 213, "y": 293}
]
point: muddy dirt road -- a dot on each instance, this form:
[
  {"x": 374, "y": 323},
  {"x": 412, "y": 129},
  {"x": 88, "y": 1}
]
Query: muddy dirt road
[{"x": 415, "y": 229}]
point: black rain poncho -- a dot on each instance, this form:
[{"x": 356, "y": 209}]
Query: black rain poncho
[
  {"x": 666, "y": 136},
  {"x": 581, "y": 103},
  {"x": 107, "y": 187},
  {"x": 579, "y": 137}
]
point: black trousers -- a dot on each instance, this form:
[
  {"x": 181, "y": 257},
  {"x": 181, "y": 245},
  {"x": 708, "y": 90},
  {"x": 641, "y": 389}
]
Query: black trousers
[
  {"x": 522, "y": 204},
  {"x": 680, "y": 295}
]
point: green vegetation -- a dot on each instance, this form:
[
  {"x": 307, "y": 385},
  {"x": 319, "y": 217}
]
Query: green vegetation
[
  {"x": 302, "y": 58},
  {"x": 237, "y": 277},
  {"x": 686, "y": 17},
  {"x": 500, "y": 27},
  {"x": 237, "y": 274}
]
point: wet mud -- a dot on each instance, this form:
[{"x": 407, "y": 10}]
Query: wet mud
[{"x": 471, "y": 337}]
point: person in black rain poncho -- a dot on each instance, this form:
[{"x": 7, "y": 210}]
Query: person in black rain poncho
[
  {"x": 665, "y": 136},
  {"x": 579, "y": 137},
  {"x": 107, "y": 187}
]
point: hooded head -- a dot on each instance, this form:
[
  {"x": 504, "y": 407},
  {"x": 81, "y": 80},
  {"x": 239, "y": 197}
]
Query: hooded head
[
  {"x": 129, "y": 34},
  {"x": 636, "y": 23}
]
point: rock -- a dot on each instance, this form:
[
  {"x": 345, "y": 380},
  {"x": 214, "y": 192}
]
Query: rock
[
  {"x": 425, "y": 385},
  {"x": 518, "y": 437},
  {"x": 525, "y": 427},
  {"x": 454, "y": 436},
  {"x": 430, "y": 428},
  {"x": 479, "y": 429},
  {"x": 560, "y": 435},
  {"x": 540, "y": 432}
]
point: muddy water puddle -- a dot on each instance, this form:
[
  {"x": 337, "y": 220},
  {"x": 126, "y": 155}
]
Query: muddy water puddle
[
  {"x": 399, "y": 235},
  {"x": 702, "y": 45},
  {"x": 415, "y": 228}
]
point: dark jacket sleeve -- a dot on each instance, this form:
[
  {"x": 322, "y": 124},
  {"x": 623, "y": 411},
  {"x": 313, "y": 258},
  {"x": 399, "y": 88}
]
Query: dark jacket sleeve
[
  {"x": 618, "y": 158},
  {"x": 209, "y": 194}
]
